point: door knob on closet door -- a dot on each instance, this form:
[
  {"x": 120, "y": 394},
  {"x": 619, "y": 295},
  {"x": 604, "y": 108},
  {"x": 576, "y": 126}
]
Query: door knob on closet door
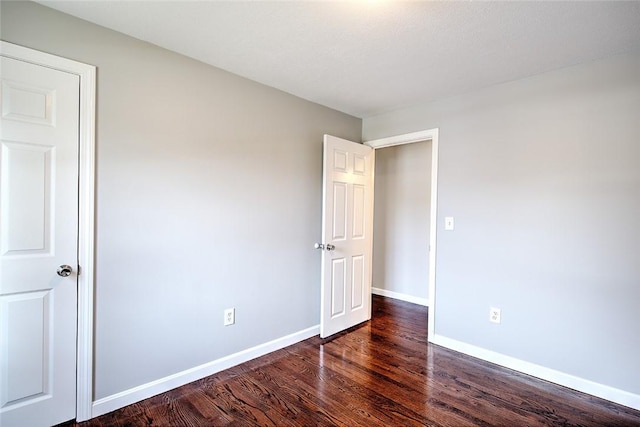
[
  {"x": 330, "y": 247},
  {"x": 64, "y": 270},
  {"x": 319, "y": 246}
]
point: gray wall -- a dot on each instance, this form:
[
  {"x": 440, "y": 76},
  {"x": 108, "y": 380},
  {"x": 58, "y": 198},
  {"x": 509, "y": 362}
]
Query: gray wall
[
  {"x": 542, "y": 176},
  {"x": 401, "y": 221},
  {"x": 208, "y": 197}
]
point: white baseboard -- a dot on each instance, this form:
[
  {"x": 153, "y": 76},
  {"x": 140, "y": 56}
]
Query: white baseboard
[
  {"x": 144, "y": 391},
  {"x": 580, "y": 384},
  {"x": 400, "y": 296}
]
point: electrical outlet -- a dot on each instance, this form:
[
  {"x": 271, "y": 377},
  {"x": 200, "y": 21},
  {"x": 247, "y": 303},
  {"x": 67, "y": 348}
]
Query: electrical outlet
[
  {"x": 229, "y": 316},
  {"x": 495, "y": 315}
]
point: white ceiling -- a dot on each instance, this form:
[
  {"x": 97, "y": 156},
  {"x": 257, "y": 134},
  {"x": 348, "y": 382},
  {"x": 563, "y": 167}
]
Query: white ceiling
[{"x": 369, "y": 57}]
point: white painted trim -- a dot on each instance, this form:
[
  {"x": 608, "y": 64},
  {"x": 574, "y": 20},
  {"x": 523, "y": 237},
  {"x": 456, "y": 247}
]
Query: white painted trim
[
  {"x": 144, "y": 391},
  {"x": 86, "y": 195},
  {"x": 580, "y": 384},
  {"x": 86, "y": 243},
  {"x": 400, "y": 296},
  {"x": 433, "y": 232},
  {"x": 408, "y": 138}
]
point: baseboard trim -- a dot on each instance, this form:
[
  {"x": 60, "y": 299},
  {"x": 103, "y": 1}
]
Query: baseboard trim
[
  {"x": 580, "y": 384},
  {"x": 145, "y": 391},
  {"x": 400, "y": 296}
]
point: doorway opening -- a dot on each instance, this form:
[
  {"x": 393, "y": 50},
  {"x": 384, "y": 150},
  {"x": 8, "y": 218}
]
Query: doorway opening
[
  {"x": 401, "y": 222},
  {"x": 431, "y": 136}
]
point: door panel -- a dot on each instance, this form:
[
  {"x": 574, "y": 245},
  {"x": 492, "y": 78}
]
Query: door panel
[
  {"x": 26, "y": 353},
  {"x": 339, "y": 211},
  {"x": 338, "y": 287},
  {"x": 347, "y": 234},
  {"x": 26, "y": 186},
  {"x": 359, "y": 194},
  {"x": 38, "y": 233},
  {"x": 358, "y": 285},
  {"x": 27, "y": 103}
]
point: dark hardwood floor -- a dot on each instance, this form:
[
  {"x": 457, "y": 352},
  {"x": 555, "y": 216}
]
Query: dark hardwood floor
[{"x": 380, "y": 374}]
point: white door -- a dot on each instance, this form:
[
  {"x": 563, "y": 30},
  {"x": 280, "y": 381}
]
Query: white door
[
  {"x": 38, "y": 234},
  {"x": 347, "y": 232}
]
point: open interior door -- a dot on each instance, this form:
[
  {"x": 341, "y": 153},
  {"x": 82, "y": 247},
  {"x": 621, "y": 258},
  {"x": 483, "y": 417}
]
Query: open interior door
[{"x": 347, "y": 232}]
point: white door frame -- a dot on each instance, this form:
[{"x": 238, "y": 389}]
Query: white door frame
[
  {"x": 408, "y": 138},
  {"x": 86, "y": 205}
]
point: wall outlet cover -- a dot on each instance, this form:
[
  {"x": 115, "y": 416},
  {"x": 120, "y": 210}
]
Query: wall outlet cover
[
  {"x": 495, "y": 315},
  {"x": 229, "y": 316}
]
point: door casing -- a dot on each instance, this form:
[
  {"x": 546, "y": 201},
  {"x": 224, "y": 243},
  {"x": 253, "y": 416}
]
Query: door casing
[
  {"x": 408, "y": 138},
  {"x": 86, "y": 212}
]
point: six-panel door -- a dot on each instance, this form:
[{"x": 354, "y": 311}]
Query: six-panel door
[
  {"x": 347, "y": 228},
  {"x": 38, "y": 232}
]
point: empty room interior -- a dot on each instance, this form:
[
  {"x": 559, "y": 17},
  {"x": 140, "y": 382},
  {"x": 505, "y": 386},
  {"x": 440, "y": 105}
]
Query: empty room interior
[{"x": 469, "y": 173}]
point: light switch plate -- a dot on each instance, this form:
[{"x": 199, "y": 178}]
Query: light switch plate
[{"x": 448, "y": 223}]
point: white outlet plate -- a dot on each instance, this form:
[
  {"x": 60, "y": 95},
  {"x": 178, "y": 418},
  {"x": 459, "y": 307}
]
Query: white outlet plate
[
  {"x": 229, "y": 316},
  {"x": 495, "y": 315}
]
